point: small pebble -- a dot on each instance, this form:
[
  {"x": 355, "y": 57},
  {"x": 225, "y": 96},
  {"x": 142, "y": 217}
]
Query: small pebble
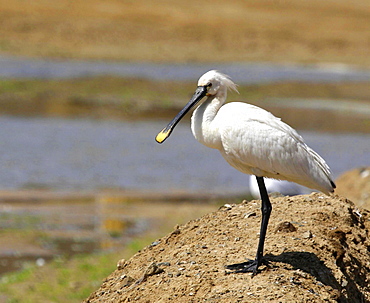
[
  {"x": 250, "y": 214},
  {"x": 285, "y": 227},
  {"x": 121, "y": 264},
  {"x": 40, "y": 262}
]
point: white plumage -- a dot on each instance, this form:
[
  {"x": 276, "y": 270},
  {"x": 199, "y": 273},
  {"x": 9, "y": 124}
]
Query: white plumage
[
  {"x": 254, "y": 142},
  {"x": 277, "y": 186}
]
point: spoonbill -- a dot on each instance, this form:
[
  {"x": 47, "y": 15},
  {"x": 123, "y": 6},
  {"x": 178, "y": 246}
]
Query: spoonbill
[
  {"x": 254, "y": 142},
  {"x": 272, "y": 186}
]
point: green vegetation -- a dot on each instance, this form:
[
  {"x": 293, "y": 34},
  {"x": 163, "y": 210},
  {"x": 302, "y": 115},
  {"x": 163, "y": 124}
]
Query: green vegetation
[
  {"x": 99, "y": 97},
  {"x": 70, "y": 280}
]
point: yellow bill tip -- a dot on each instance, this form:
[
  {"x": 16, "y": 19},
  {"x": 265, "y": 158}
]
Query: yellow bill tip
[{"x": 162, "y": 136}]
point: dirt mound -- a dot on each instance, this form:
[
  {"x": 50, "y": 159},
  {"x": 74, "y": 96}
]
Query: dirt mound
[
  {"x": 323, "y": 257},
  {"x": 355, "y": 185}
]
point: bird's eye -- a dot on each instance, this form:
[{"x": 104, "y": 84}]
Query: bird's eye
[{"x": 209, "y": 85}]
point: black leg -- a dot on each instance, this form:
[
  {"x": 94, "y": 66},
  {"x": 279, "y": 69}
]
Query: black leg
[
  {"x": 266, "y": 211},
  {"x": 252, "y": 265}
]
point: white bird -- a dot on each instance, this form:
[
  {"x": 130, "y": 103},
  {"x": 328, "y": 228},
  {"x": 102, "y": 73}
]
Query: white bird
[
  {"x": 277, "y": 186},
  {"x": 254, "y": 142}
]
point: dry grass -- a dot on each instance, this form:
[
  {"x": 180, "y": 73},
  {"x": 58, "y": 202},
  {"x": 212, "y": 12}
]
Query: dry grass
[{"x": 184, "y": 31}]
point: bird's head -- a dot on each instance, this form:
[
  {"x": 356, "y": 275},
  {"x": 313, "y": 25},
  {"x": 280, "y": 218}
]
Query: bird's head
[{"x": 212, "y": 83}]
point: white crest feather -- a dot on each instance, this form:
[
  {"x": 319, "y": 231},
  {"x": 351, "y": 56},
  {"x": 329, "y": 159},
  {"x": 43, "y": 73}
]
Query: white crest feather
[{"x": 218, "y": 76}]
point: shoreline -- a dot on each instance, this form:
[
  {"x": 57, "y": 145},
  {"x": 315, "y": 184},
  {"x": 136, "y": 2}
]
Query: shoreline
[
  {"x": 127, "y": 99},
  {"x": 69, "y": 196}
]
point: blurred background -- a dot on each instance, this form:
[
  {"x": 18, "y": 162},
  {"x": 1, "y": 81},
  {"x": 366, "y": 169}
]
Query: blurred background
[{"x": 86, "y": 85}]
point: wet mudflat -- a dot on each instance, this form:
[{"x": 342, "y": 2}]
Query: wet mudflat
[{"x": 38, "y": 226}]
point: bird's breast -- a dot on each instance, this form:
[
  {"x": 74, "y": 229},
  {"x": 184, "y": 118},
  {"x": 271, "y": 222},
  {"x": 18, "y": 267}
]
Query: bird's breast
[{"x": 204, "y": 126}]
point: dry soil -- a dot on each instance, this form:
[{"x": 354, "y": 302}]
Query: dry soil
[
  {"x": 317, "y": 247},
  {"x": 188, "y": 30}
]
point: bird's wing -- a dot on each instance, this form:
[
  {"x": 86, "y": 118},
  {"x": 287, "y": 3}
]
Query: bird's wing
[{"x": 256, "y": 142}]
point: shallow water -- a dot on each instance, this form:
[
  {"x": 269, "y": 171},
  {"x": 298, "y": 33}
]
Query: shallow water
[
  {"x": 242, "y": 73},
  {"x": 69, "y": 154}
]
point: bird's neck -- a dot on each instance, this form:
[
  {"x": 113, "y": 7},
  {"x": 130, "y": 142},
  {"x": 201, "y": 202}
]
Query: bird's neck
[{"x": 202, "y": 124}]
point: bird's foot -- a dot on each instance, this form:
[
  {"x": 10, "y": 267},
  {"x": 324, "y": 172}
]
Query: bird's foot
[{"x": 248, "y": 266}]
